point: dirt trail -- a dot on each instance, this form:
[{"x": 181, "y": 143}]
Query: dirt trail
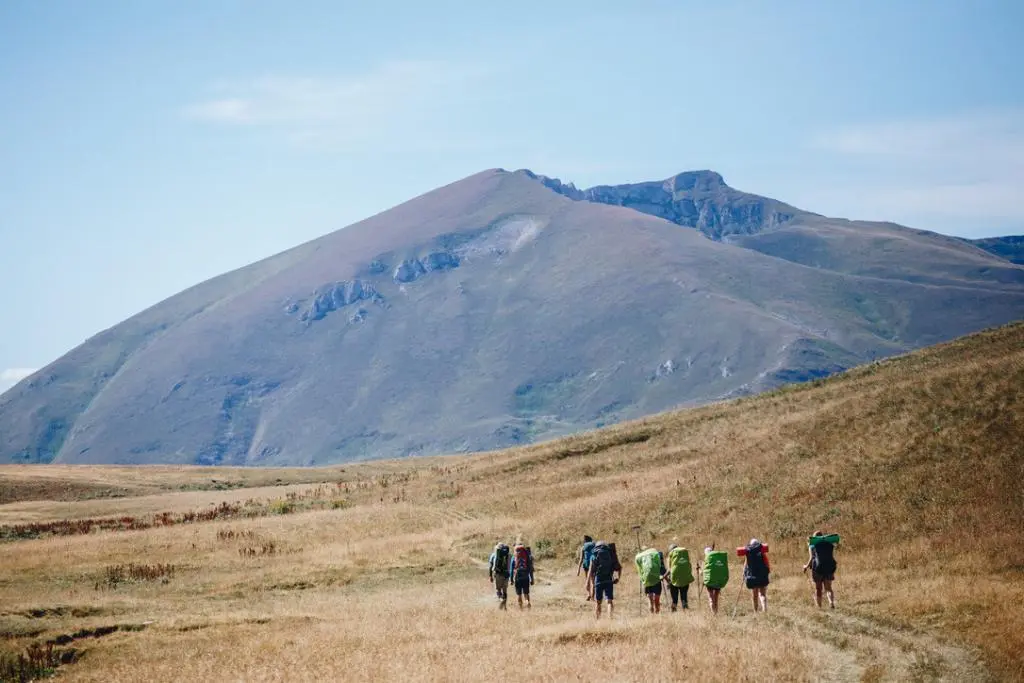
[
  {"x": 864, "y": 649},
  {"x": 855, "y": 648}
]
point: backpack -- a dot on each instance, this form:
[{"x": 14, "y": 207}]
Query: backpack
[
  {"x": 603, "y": 563},
  {"x": 587, "y": 553},
  {"x": 756, "y": 568},
  {"x": 822, "y": 560},
  {"x": 716, "y": 569},
  {"x": 648, "y": 566},
  {"x": 680, "y": 573},
  {"x": 522, "y": 566},
  {"x": 501, "y": 559}
]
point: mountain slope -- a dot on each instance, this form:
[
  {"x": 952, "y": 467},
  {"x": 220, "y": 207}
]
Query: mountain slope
[
  {"x": 490, "y": 312},
  {"x": 1010, "y": 248}
]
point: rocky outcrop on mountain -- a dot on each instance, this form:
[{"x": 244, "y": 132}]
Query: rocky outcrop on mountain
[
  {"x": 696, "y": 199},
  {"x": 335, "y": 296},
  {"x": 415, "y": 268}
]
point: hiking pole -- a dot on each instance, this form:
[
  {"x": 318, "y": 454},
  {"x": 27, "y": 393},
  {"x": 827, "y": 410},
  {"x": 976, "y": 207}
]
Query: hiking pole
[
  {"x": 736, "y": 602},
  {"x": 636, "y": 530}
]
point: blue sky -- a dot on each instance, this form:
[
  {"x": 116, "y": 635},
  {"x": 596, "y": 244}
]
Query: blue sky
[{"x": 145, "y": 147}]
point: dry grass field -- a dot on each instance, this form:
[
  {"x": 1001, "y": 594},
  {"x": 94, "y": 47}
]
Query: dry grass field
[{"x": 377, "y": 571}]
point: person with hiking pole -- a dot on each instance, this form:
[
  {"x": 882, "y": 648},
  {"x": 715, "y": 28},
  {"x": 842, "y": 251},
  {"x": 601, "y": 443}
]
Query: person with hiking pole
[
  {"x": 678, "y": 575},
  {"x": 605, "y": 571},
  {"x": 650, "y": 567},
  {"x": 714, "y": 574},
  {"x": 586, "y": 552},
  {"x": 498, "y": 570},
  {"x": 521, "y": 570},
  {"x": 755, "y": 572},
  {"x": 822, "y": 563}
]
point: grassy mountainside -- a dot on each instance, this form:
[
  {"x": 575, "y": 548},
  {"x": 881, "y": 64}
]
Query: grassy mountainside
[
  {"x": 376, "y": 571},
  {"x": 498, "y": 311}
]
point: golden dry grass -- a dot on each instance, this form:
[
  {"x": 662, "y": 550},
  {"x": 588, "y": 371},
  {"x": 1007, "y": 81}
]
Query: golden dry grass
[{"x": 917, "y": 461}]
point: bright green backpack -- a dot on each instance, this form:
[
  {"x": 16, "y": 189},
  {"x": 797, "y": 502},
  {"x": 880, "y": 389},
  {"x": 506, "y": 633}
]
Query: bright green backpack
[
  {"x": 680, "y": 573},
  {"x": 648, "y": 566},
  {"x": 716, "y": 569}
]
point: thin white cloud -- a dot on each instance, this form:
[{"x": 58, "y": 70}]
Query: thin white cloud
[
  {"x": 11, "y": 376},
  {"x": 966, "y": 169},
  {"x": 407, "y": 99}
]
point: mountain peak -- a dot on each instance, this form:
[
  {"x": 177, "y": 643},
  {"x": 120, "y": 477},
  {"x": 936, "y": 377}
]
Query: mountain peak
[{"x": 696, "y": 180}]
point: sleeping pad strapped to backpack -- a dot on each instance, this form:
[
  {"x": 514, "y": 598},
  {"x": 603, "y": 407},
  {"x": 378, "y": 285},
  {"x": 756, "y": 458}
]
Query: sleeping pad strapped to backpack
[
  {"x": 680, "y": 573},
  {"x": 501, "y": 559},
  {"x": 755, "y": 572},
  {"x": 716, "y": 569},
  {"x": 648, "y": 566}
]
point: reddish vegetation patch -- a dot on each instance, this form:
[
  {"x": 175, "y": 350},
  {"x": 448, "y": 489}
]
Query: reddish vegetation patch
[{"x": 72, "y": 527}]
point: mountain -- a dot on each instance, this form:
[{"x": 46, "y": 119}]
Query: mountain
[
  {"x": 503, "y": 308},
  {"x": 1010, "y": 248}
]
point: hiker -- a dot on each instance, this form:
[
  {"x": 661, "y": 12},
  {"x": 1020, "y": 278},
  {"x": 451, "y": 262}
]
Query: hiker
[
  {"x": 755, "y": 572},
  {"x": 498, "y": 570},
  {"x": 586, "y": 552},
  {"x": 714, "y": 574},
  {"x": 650, "y": 567},
  {"x": 605, "y": 572},
  {"x": 678, "y": 575},
  {"x": 521, "y": 569},
  {"x": 822, "y": 563}
]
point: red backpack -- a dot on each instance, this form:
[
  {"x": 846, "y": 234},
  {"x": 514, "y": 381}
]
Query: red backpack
[{"x": 521, "y": 563}]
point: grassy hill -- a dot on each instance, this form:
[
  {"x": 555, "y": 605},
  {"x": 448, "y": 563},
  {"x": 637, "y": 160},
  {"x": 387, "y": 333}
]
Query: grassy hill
[{"x": 374, "y": 571}]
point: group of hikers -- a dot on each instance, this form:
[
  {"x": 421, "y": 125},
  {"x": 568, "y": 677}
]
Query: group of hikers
[{"x": 599, "y": 563}]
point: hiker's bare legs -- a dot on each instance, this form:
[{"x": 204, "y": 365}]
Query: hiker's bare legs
[
  {"x": 713, "y": 600},
  {"x": 611, "y": 609},
  {"x": 598, "y": 612},
  {"x": 753, "y": 594},
  {"x": 657, "y": 604},
  {"x": 829, "y": 594},
  {"x": 762, "y": 593},
  {"x": 817, "y": 593}
]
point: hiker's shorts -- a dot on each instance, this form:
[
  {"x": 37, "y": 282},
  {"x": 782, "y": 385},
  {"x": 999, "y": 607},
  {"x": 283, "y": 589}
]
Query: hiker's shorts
[
  {"x": 523, "y": 587},
  {"x": 754, "y": 582},
  {"x": 818, "y": 578},
  {"x": 604, "y": 590},
  {"x": 653, "y": 590},
  {"x": 500, "y": 583},
  {"x": 714, "y": 588}
]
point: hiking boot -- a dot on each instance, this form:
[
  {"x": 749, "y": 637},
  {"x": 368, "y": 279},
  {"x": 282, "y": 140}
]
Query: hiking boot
[
  {"x": 673, "y": 608},
  {"x": 686, "y": 605}
]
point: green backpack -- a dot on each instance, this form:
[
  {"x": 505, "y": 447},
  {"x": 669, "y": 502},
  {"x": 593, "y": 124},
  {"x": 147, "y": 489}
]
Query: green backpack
[
  {"x": 680, "y": 573},
  {"x": 716, "y": 569},
  {"x": 648, "y": 566}
]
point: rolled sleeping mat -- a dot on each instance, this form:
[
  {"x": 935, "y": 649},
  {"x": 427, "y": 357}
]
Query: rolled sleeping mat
[{"x": 830, "y": 538}]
